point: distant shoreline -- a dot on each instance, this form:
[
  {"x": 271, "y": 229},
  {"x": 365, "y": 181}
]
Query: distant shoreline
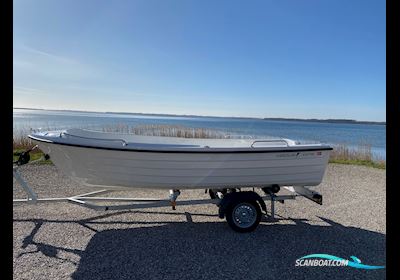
[
  {"x": 326, "y": 121},
  {"x": 341, "y": 121}
]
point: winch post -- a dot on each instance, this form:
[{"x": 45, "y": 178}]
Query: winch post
[
  {"x": 272, "y": 206},
  {"x": 173, "y": 195}
]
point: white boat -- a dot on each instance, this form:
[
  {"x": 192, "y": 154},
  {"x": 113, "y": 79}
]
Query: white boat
[{"x": 112, "y": 160}]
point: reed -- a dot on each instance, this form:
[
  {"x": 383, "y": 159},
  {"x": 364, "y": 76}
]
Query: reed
[
  {"x": 167, "y": 130},
  {"x": 343, "y": 152},
  {"x": 362, "y": 155},
  {"x": 21, "y": 142}
]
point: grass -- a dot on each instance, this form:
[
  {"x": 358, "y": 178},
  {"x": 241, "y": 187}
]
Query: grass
[
  {"x": 34, "y": 155},
  {"x": 374, "y": 164},
  {"x": 341, "y": 154},
  {"x": 362, "y": 155}
]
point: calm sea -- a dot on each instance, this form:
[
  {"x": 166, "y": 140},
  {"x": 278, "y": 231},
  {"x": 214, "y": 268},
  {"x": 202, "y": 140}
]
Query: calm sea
[{"x": 349, "y": 134}]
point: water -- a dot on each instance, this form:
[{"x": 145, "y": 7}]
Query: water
[{"x": 332, "y": 133}]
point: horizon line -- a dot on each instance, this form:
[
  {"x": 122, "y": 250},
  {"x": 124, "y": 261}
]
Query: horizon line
[{"x": 190, "y": 115}]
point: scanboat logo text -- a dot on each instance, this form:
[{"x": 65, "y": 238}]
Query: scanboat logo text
[{"x": 329, "y": 260}]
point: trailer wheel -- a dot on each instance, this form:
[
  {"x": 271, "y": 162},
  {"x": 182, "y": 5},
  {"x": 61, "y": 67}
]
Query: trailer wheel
[{"x": 243, "y": 215}]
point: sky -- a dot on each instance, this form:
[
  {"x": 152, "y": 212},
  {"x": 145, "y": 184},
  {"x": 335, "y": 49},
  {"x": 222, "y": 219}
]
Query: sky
[{"x": 291, "y": 59}]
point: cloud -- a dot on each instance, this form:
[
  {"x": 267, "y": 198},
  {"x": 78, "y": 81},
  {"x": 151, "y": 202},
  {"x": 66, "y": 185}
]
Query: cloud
[
  {"x": 29, "y": 91},
  {"x": 59, "y": 58},
  {"x": 22, "y": 64},
  {"x": 37, "y": 64}
]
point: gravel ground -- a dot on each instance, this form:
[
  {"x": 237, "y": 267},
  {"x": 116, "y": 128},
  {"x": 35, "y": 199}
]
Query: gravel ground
[{"x": 65, "y": 241}]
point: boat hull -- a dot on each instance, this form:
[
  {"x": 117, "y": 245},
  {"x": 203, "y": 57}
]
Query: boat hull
[{"x": 107, "y": 168}]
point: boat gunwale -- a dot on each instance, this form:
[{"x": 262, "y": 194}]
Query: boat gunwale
[{"x": 202, "y": 151}]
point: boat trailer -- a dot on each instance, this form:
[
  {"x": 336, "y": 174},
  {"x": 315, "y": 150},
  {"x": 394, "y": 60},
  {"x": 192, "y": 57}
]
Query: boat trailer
[{"x": 242, "y": 209}]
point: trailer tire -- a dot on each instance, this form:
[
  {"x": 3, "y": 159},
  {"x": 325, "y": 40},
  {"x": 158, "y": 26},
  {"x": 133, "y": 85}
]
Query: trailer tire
[{"x": 243, "y": 215}]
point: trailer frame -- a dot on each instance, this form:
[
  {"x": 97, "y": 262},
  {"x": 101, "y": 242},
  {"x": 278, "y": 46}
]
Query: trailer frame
[{"x": 86, "y": 199}]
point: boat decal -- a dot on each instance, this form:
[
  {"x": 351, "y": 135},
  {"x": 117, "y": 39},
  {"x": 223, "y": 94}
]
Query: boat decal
[{"x": 330, "y": 260}]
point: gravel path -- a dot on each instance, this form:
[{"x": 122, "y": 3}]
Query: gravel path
[{"x": 65, "y": 241}]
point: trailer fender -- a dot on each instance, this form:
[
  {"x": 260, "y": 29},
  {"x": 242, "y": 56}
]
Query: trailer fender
[{"x": 235, "y": 196}]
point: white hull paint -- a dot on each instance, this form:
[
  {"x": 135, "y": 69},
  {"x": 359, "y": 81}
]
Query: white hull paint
[{"x": 123, "y": 168}]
